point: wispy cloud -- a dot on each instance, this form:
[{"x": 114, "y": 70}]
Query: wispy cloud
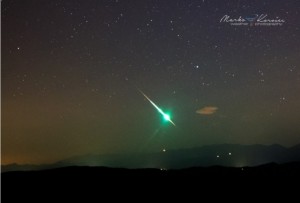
[{"x": 208, "y": 110}]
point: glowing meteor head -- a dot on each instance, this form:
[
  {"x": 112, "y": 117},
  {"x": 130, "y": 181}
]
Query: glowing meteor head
[{"x": 167, "y": 117}]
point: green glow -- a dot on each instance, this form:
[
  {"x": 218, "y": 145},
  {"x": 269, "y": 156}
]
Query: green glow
[{"x": 167, "y": 117}]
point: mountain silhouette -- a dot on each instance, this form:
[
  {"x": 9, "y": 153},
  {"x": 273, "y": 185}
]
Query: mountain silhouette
[{"x": 228, "y": 155}]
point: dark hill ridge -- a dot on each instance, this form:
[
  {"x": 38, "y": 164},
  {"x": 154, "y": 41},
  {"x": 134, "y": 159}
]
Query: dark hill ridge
[
  {"x": 270, "y": 169},
  {"x": 99, "y": 182},
  {"x": 230, "y": 155}
]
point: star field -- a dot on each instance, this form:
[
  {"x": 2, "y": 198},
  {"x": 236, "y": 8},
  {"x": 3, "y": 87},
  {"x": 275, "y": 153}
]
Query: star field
[{"x": 70, "y": 73}]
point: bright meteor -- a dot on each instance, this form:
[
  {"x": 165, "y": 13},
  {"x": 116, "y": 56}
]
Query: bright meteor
[{"x": 166, "y": 116}]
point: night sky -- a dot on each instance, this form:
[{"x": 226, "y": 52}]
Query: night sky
[{"x": 72, "y": 72}]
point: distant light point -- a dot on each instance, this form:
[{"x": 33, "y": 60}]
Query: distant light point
[
  {"x": 229, "y": 153},
  {"x": 164, "y": 150},
  {"x": 218, "y": 156}
]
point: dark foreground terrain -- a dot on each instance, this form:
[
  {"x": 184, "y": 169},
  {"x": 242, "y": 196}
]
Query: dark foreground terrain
[
  {"x": 94, "y": 173},
  {"x": 99, "y": 181}
]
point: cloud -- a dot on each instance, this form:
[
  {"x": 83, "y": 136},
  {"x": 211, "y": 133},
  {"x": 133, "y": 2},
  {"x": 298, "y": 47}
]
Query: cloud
[{"x": 208, "y": 110}]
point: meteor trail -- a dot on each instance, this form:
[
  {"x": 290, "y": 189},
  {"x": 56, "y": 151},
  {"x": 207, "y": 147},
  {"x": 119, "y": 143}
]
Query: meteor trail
[{"x": 166, "y": 116}]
